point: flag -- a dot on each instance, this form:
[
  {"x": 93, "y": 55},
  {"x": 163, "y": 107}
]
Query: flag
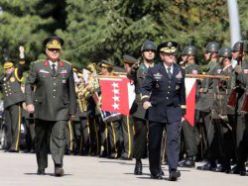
[
  {"x": 190, "y": 86},
  {"x": 117, "y": 94}
]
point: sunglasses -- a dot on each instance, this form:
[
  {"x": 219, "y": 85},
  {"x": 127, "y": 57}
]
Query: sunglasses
[{"x": 54, "y": 50}]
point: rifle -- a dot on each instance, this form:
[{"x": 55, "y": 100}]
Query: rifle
[
  {"x": 232, "y": 100},
  {"x": 203, "y": 76}
]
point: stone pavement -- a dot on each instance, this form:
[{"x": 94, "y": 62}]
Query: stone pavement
[{"x": 20, "y": 170}]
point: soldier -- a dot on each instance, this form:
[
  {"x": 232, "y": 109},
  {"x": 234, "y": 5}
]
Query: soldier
[
  {"x": 205, "y": 104},
  {"x": 128, "y": 131},
  {"x": 190, "y": 132},
  {"x": 13, "y": 98},
  {"x": 242, "y": 110},
  {"x": 163, "y": 95},
  {"x": 222, "y": 115},
  {"x": 53, "y": 104},
  {"x": 137, "y": 75}
]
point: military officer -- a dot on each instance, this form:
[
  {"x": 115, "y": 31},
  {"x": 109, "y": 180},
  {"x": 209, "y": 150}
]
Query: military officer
[
  {"x": 163, "y": 95},
  {"x": 242, "y": 110},
  {"x": 13, "y": 98},
  {"x": 190, "y": 132},
  {"x": 205, "y": 103},
  {"x": 53, "y": 103},
  {"x": 137, "y": 75}
]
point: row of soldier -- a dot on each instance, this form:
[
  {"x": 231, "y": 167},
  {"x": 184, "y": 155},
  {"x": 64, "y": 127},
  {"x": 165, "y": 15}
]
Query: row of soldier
[{"x": 219, "y": 135}]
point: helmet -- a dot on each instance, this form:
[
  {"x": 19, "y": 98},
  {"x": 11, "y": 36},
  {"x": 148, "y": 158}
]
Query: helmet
[
  {"x": 212, "y": 47},
  {"x": 225, "y": 52},
  {"x": 189, "y": 50},
  {"x": 148, "y": 45}
]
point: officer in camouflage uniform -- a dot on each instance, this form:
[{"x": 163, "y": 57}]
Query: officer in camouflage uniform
[
  {"x": 10, "y": 84},
  {"x": 189, "y": 132},
  {"x": 222, "y": 116},
  {"x": 205, "y": 103},
  {"x": 242, "y": 114},
  {"x": 137, "y": 75},
  {"x": 53, "y": 105}
]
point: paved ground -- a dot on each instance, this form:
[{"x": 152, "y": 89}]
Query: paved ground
[{"x": 20, "y": 170}]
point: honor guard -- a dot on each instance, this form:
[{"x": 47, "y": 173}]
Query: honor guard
[
  {"x": 137, "y": 75},
  {"x": 53, "y": 104},
  {"x": 13, "y": 98},
  {"x": 163, "y": 95},
  {"x": 189, "y": 132},
  {"x": 204, "y": 104}
]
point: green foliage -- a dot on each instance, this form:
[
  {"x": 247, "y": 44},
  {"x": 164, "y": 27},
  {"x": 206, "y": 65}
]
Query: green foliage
[{"x": 94, "y": 29}]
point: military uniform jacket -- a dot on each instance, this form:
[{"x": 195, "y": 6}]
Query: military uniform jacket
[
  {"x": 222, "y": 90},
  {"x": 165, "y": 94},
  {"x": 206, "y": 99},
  {"x": 138, "y": 77},
  {"x": 11, "y": 88},
  {"x": 54, "y": 97},
  {"x": 242, "y": 79}
]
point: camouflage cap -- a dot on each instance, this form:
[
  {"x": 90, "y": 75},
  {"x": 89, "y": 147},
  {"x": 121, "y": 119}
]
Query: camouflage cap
[{"x": 236, "y": 47}]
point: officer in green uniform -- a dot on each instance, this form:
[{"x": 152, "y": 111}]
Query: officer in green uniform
[
  {"x": 205, "y": 103},
  {"x": 189, "y": 132},
  {"x": 242, "y": 113},
  {"x": 53, "y": 104},
  {"x": 137, "y": 74},
  {"x": 13, "y": 97}
]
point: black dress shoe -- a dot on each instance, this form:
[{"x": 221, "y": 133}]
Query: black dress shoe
[
  {"x": 40, "y": 171},
  {"x": 239, "y": 170},
  {"x": 174, "y": 175},
  {"x": 223, "y": 168},
  {"x": 138, "y": 168},
  {"x": 207, "y": 166},
  {"x": 59, "y": 171},
  {"x": 113, "y": 156},
  {"x": 162, "y": 172},
  {"x": 157, "y": 176},
  {"x": 189, "y": 163}
]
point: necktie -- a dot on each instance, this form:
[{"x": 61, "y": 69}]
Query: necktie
[
  {"x": 53, "y": 69},
  {"x": 169, "y": 72}
]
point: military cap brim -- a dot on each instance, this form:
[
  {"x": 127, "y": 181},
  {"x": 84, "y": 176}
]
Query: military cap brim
[
  {"x": 169, "y": 47},
  {"x": 129, "y": 59},
  {"x": 106, "y": 63},
  {"x": 51, "y": 38}
]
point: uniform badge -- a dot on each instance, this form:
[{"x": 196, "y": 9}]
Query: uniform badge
[
  {"x": 157, "y": 76},
  {"x": 179, "y": 75},
  {"x": 12, "y": 79},
  {"x": 63, "y": 81},
  {"x": 157, "y": 84},
  {"x": 194, "y": 71},
  {"x": 245, "y": 71}
]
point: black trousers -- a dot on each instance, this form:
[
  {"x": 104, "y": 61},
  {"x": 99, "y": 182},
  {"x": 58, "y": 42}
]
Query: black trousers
[
  {"x": 140, "y": 138},
  {"x": 127, "y": 132},
  {"x": 13, "y": 118},
  {"x": 154, "y": 145},
  {"x": 50, "y": 134},
  {"x": 242, "y": 140}
]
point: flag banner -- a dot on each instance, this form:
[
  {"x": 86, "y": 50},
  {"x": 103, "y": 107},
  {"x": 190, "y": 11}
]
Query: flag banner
[
  {"x": 117, "y": 95},
  {"x": 190, "y": 86}
]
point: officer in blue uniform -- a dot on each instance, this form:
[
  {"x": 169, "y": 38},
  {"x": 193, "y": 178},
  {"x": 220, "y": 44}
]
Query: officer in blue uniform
[{"x": 163, "y": 95}]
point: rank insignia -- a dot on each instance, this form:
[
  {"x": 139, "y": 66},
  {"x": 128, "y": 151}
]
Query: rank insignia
[{"x": 157, "y": 76}]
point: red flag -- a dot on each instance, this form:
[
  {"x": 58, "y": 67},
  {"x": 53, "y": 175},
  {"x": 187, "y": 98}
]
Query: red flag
[
  {"x": 116, "y": 95},
  {"x": 190, "y": 86}
]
